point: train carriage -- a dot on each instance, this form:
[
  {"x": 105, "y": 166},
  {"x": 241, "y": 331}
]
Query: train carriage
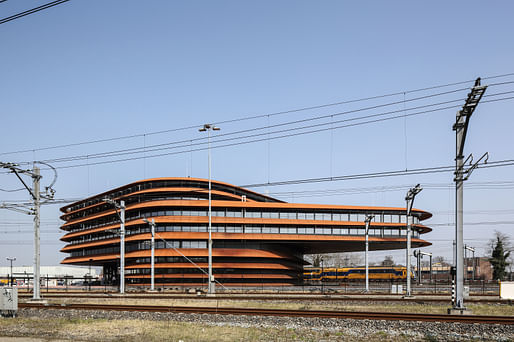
[{"x": 377, "y": 273}]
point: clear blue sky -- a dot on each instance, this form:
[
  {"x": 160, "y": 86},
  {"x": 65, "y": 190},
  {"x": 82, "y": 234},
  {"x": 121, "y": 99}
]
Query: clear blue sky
[{"x": 88, "y": 70}]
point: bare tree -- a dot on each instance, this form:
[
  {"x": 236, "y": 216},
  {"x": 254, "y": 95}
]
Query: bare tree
[
  {"x": 388, "y": 261},
  {"x": 438, "y": 259}
]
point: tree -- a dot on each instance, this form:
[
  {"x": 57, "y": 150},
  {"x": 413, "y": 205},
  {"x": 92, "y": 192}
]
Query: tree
[
  {"x": 388, "y": 261},
  {"x": 440, "y": 260},
  {"x": 316, "y": 260},
  {"x": 499, "y": 256},
  {"x": 348, "y": 259}
]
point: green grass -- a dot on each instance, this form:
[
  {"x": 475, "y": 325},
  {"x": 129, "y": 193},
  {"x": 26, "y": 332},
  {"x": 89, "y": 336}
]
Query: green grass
[
  {"x": 157, "y": 331},
  {"x": 477, "y": 309}
]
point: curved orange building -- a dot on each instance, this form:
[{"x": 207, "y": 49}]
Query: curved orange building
[{"x": 257, "y": 240}]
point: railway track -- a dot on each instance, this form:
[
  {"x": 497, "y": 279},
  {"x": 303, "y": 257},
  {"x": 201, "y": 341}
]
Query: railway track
[
  {"x": 332, "y": 298},
  {"x": 505, "y": 320}
]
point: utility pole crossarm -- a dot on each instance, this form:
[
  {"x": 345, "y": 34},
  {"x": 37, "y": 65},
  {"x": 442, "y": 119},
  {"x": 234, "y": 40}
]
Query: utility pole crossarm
[{"x": 465, "y": 113}]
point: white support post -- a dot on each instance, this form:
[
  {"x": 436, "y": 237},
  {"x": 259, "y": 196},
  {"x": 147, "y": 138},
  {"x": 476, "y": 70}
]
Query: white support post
[
  {"x": 37, "y": 263},
  {"x": 152, "y": 258},
  {"x": 367, "y": 222},
  {"x": 122, "y": 247}
]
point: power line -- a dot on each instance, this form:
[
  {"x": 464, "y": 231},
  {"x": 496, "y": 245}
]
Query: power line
[
  {"x": 485, "y": 223},
  {"x": 13, "y": 190},
  {"x": 188, "y": 142},
  {"x": 426, "y": 170},
  {"x": 258, "y": 116},
  {"x": 272, "y": 138},
  {"x": 31, "y": 11},
  {"x": 374, "y": 189},
  {"x": 153, "y": 148},
  {"x": 218, "y": 140}
]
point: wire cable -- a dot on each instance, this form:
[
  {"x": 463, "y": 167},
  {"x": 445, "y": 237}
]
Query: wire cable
[
  {"x": 238, "y": 143},
  {"x": 31, "y": 11},
  {"x": 216, "y": 139},
  {"x": 13, "y": 190},
  {"x": 256, "y": 116}
]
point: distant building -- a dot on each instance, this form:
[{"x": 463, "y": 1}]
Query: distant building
[
  {"x": 481, "y": 269},
  {"x": 257, "y": 240},
  {"x": 23, "y": 272}
]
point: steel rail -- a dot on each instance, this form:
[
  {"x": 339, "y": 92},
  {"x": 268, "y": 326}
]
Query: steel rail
[
  {"x": 506, "y": 320},
  {"x": 341, "y": 298}
]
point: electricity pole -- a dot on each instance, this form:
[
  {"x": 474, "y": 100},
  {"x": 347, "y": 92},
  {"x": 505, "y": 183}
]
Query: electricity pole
[
  {"x": 152, "y": 257},
  {"x": 367, "y": 221},
  {"x": 461, "y": 174},
  {"x": 121, "y": 233},
  {"x": 37, "y": 254},
  {"x": 411, "y": 194},
  {"x": 36, "y": 195}
]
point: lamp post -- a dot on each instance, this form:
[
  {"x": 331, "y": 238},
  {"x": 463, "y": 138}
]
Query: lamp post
[
  {"x": 121, "y": 216},
  {"x": 11, "y": 259},
  {"x": 367, "y": 221},
  {"x": 152, "y": 257},
  {"x": 211, "y": 287},
  {"x": 411, "y": 194}
]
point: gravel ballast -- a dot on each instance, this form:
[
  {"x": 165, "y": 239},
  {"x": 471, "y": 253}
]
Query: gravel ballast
[{"x": 427, "y": 331}]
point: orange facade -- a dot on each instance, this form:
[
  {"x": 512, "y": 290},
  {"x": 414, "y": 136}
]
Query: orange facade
[{"x": 257, "y": 240}]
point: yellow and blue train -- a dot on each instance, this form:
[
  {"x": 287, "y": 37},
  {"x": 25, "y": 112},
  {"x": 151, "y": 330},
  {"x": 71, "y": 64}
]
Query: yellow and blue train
[{"x": 355, "y": 273}]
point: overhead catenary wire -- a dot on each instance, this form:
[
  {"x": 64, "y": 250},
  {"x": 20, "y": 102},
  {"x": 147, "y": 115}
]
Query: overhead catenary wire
[
  {"x": 260, "y": 115},
  {"x": 507, "y": 185},
  {"x": 12, "y": 190},
  {"x": 151, "y": 148},
  {"x": 426, "y": 170},
  {"x": 220, "y": 137},
  {"x": 31, "y": 11},
  {"x": 258, "y": 139}
]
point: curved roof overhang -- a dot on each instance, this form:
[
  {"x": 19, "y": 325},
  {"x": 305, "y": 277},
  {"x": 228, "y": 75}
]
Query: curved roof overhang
[{"x": 103, "y": 194}]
